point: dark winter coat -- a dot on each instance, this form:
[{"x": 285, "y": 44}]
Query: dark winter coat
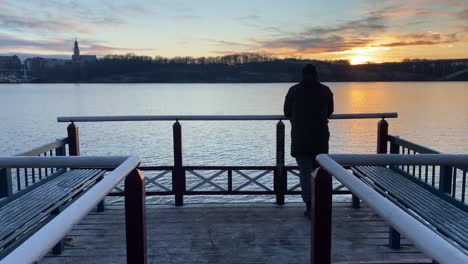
[{"x": 309, "y": 106}]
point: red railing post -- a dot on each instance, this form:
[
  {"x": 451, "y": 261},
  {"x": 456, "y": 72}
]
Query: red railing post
[
  {"x": 382, "y": 136},
  {"x": 178, "y": 175},
  {"x": 445, "y": 179},
  {"x": 321, "y": 214},
  {"x": 382, "y": 148},
  {"x": 135, "y": 217},
  {"x": 73, "y": 140},
  {"x": 280, "y": 180},
  {"x": 73, "y": 133},
  {"x": 6, "y": 187}
]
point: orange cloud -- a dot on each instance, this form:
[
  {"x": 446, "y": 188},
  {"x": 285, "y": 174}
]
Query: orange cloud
[{"x": 418, "y": 39}]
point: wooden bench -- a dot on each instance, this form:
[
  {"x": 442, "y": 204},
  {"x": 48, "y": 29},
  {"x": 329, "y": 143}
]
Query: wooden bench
[
  {"x": 445, "y": 215},
  {"x": 27, "y": 212}
]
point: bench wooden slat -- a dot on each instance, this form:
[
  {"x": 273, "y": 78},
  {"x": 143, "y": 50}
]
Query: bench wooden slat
[
  {"x": 418, "y": 195},
  {"x": 435, "y": 205},
  {"x": 19, "y": 209},
  {"x": 29, "y": 211},
  {"x": 449, "y": 220},
  {"x": 48, "y": 206},
  {"x": 424, "y": 200},
  {"x": 403, "y": 195},
  {"x": 426, "y": 211},
  {"x": 441, "y": 218},
  {"x": 28, "y": 225},
  {"x": 41, "y": 198},
  {"x": 407, "y": 192},
  {"x": 10, "y": 209}
]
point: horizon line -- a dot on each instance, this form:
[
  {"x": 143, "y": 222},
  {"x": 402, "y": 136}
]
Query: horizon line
[{"x": 64, "y": 56}]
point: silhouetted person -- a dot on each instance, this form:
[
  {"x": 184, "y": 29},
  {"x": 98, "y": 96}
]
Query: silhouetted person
[{"x": 308, "y": 104}]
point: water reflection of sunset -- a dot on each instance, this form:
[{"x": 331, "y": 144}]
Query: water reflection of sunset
[{"x": 430, "y": 113}]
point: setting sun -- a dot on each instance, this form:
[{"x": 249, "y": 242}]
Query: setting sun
[{"x": 359, "y": 59}]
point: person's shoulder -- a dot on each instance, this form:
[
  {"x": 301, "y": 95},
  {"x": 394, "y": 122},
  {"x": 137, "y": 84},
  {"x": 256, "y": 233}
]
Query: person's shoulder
[
  {"x": 326, "y": 88},
  {"x": 294, "y": 87}
]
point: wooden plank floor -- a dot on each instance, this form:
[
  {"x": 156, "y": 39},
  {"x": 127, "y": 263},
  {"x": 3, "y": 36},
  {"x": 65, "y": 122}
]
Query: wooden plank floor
[{"x": 231, "y": 233}]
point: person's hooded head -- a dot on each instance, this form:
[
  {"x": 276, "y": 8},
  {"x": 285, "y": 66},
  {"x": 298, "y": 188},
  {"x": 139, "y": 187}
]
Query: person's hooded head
[{"x": 309, "y": 75}]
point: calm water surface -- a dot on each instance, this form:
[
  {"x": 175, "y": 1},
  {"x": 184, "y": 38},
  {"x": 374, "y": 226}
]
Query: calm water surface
[{"x": 431, "y": 114}]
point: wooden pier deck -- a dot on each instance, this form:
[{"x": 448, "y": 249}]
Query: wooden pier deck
[{"x": 231, "y": 233}]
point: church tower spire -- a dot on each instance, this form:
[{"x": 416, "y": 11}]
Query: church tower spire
[{"x": 76, "y": 52}]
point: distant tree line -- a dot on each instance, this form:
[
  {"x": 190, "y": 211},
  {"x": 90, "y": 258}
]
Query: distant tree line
[{"x": 246, "y": 67}]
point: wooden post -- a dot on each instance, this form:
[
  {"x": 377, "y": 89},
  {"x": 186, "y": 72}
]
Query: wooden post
[
  {"x": 73, "y": 140},
  {"x": 280, "y": 181},
  {"x": 6, "y": 189},
  {"x": 382, "y": 137},
  {"x": 394, "y": 148},
  {"x": 355, "y": 202},
  {"x": 393, "y": 238},
  {"x": 60, "y": 151},
  {"x": 60, "y": 246},
  {"x": 445, "y": 179},
  {"x": 321, "y": 206},
  {"x": 101, "y": 206},
  {"x": 135, "y": 217},
  {"x": 178, "y": 175}
]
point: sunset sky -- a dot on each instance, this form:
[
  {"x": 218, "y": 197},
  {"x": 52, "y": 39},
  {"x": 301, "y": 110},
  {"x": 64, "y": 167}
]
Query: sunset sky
[{"x": 359, "y": 30}]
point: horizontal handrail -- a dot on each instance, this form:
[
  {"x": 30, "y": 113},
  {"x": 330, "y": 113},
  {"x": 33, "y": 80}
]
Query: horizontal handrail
[
  {"x": 413, "y": 146},
  {"x": 400, "y": 159},
  {"x": 47, "y": 147},
  {"x": 62, "y": 162},
  {"x": 40, "y": 243},
  {"x": 422, "y": 236},
  {"x": 8, "y": 188},
  {"x": 211, "y": 117}
]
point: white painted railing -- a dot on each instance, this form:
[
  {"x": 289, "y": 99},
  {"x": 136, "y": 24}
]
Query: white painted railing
[
  {"x": 43, "y": 240},
  {"x": 422, "y": 236},
  {"x": 211, "y": 117}
]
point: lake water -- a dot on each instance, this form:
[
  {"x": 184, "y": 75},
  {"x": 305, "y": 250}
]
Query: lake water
[{"x": 432, "y": 114}]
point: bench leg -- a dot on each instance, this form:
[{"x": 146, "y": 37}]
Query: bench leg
[
  {"x": 101, "y": 207},
  {"x": 393, "y": 238},
  {"x": 356, "y": 203},
  {"x": 60, "y": 246}
]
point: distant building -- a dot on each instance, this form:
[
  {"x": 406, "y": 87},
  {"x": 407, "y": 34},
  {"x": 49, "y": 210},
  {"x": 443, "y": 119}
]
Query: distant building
[
  {"x": 77, "y": 58},
  {"x": 50, "y": 63},
  {"x": 33, "y": 64},
  {"x": 37, "y": 63},
  {"x": 76, "y": 53},
  {"x": 10, "y": 63}
]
